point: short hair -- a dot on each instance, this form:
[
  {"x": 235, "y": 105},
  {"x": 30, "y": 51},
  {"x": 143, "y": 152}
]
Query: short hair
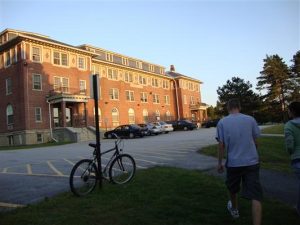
[
  {"x": 233, "y": 104},
  {"x": 294, "y": 107}
]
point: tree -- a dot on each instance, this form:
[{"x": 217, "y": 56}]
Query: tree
[
  {"x": 238, "y": 88},
  {"x": 211, "y": 112},
  {"x": 274, "y": 80},
  {"x": 295, "y": 77}
]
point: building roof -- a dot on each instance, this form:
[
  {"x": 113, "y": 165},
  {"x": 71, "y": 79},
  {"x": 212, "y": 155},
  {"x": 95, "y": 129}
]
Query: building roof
[{"x": 179, "y": 75}]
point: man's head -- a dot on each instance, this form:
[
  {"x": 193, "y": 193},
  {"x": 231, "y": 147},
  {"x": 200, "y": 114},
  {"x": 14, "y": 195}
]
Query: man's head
[
  {"x": 294, "y": 109},
  {"x": 233, "y": 105}
]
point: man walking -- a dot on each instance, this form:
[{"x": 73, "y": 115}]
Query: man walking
[{"x": 237, "y": 133}]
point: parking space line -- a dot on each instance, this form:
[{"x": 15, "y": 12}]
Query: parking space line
[
  {"x": 54, "y": 169},
  {"x": 29, "y": 169},
  {"x": 68, "y": 161},
  {"x": 10, "y": 205},
  {"x": 138, "y": 166},
  {"x": 35, "y": 174},
  {"x": 152, "y": 156}
]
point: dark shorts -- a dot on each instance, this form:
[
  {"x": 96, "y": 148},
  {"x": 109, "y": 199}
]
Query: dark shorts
[{"x": 249, "y": 177}]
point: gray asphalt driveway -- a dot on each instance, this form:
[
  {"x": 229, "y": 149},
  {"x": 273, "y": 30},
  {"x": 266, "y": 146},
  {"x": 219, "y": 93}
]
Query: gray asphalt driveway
[{"x": 27, "y": 176}]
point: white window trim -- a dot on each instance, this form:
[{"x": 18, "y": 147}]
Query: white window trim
[
  {"x": 156, "y": 99},
  {"x": 35, "y": 115},
  {"x": 142, "y": 97},
  {"x": 41, "y": 53},
  {"x": 84, "y": 62},
  {"x": 82, "y": 91},
  {"x": 131, "y": 94},
  {"x": 60, "y": 59},
  {"x": 6, "y": 86},
  {"x": 41, "y": 80},
  {"x": 114, "y": 90}
]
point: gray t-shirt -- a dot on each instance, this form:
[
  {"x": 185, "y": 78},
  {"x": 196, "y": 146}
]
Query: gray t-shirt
[{"x": 237, "y": 132}]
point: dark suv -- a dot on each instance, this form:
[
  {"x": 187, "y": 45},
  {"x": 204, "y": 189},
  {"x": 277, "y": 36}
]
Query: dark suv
[
  {"x": 210, "y": 123},
  {"x": 183, "y": 125}
]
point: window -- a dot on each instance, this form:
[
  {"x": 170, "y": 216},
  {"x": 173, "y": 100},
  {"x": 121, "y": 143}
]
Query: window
[
  {"x": 56, "y": 58},
  {"x": 38, "y": 114},
  {"x": 165, "y": 84},
  {"x": 157, "y": 114},
  {"x": 151, "y": 67},
  {"x": 162, "y": 71},
  {"x": 139, "y": 65},
  {"x": 154, "y": 82},
  {"x": 168, "y": 116},
  {"x": 112, "y": 74},
  {"x": 155, "y": 98},
  {"x": 128, "y": 77},
  {"x": 144, "y": 97},
  {"x": 82, "y": 87},
  {"x": 115, "y": 117},
  {"x": 129, "y": 96},
  {"x": 96, "y": 69},
  {"x": 99, "y": 114},
  {"x": 13, "y": 56},
  {"x": 61, "y": 84},
  {"x": 109, "y": 57},
  {"x": 131, "y": 116},
  {"x": 56, "y": 85},
  {"x": 9, "y": 115},
  {"x": 7, "y": 59},
  {"x": 36, "y": 54},
  {"x": 8, "y": 86},
  {"x": 184, "y": 99},
  {"x": 192, "y": 100},
  {"x": 81, "y": 63},
  {"x": 167, "y": 99},
  {"x": 64, "y": 59},
  {"x": 39, "y": 137},
  {"x": 65, "y": 84},
  {"x": 37, "y": 81},
  {"x": 142, "y": 80},
  {"x": 114, "y": 94},
  {"x": 125, "y": 61},
  {"x": 145, "y": 115}
]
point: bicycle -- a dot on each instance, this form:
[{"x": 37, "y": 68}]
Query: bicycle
[{"x": 119, "y": 169}]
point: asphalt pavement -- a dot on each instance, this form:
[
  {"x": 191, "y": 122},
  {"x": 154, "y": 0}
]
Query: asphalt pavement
[{"x": 29, "y": 176}]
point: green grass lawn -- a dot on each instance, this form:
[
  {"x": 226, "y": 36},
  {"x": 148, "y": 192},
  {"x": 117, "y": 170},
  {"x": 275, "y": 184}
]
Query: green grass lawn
[
  {"x": 3, "y": 148},
  {"x": 271, "y": 151},
  {"x": 276, "y": 129},
  {"x": 157, "y": 196}
]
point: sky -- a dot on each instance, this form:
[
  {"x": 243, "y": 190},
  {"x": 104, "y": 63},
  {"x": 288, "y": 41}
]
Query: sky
[{"x": 211, "y": 41}]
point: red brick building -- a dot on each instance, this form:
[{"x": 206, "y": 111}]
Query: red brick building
[{"x": 45, "y": 88}]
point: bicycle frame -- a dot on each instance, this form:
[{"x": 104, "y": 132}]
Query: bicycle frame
[{"x": 116, "y": 153}]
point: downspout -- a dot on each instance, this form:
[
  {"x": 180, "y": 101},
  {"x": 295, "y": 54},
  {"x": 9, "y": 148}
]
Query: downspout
[
  {"x": 50, "y": 123},
  {"x": 178, "y": 115}
]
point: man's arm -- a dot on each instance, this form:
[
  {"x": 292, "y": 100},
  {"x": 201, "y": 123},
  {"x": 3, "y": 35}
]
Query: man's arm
[{"x": 220, "y": 157}]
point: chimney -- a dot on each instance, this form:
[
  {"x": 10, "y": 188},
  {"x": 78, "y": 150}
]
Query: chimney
[{"x": 172, "y": 68}]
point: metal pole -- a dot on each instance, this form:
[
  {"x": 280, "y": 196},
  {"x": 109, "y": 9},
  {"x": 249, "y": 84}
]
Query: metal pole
[{"x": 98, "y": 150}]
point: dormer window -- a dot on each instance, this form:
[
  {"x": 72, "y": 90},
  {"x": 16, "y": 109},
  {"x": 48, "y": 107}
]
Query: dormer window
[
  {"x": 109, "y": 57},
  {"x": 125, "y": 61}
]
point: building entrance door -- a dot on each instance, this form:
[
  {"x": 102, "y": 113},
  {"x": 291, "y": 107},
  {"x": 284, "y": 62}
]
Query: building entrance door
[
  {"x": 56, "y": 120},
  {"x": 69, "y": 117}
]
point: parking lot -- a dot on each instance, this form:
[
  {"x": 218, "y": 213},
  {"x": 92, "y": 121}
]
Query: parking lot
[{"x": 27, "y": 176}]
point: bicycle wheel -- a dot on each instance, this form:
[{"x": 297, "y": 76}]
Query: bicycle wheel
[
  {"x": 122, "y": 169},
  {"x": 83, "y": 177}
]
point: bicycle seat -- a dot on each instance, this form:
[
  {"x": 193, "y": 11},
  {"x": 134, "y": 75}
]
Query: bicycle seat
[{"x": 93, "y": 145}]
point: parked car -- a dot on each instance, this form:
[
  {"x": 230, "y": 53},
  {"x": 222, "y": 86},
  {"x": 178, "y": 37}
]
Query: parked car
[
  {"x": 183, "y": 125},
  {"x": 210, "y": 123},
  {"x": 145, "y": 128},
  {"x": 128, "y": 130},
  {"x": 154, "y": 129},
  {"x": 166, "y": 127}
]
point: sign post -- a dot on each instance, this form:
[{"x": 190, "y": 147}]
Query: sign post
[{"x": 98, "y": 150}]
